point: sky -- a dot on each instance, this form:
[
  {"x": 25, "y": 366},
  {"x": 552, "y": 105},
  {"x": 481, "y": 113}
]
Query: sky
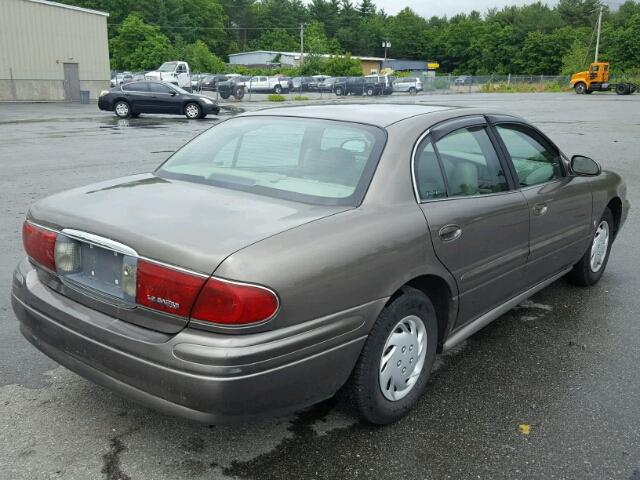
[{"x": 429, "y": 8}]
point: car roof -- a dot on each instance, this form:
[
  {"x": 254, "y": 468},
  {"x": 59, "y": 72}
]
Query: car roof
[{"x": 379, "y": 114}]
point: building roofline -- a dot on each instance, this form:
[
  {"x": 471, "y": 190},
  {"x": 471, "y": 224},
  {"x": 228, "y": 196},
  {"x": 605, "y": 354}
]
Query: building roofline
[
  {"x": 70, "y": 7},
  {"x": 274, "y": 52}
]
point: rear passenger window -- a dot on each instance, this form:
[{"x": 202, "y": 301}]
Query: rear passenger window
[
  {"x": 135, "y": 87},
  {"x": 428, "y": 175},
  {"x": 534, "y": 162},
  {"x": 470, "y": 163}
]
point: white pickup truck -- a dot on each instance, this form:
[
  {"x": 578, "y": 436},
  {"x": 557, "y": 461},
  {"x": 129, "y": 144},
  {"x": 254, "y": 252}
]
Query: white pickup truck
[
  {"x": 175, "y": 72},
  {"x": 267, "y": 84}
]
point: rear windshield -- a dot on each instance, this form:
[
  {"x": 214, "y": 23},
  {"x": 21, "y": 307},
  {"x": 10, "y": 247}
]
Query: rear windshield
[{"x": 314, "y": 161}]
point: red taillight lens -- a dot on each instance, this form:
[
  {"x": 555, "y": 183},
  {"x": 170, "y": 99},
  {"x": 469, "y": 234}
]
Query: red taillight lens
[
  {"x": 165, "y": 289},
  {"x": 40, "y": 244},
  {"x": 230, "y": 303}
]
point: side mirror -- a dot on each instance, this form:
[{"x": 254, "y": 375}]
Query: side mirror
[{"x": 585, "y": 166}]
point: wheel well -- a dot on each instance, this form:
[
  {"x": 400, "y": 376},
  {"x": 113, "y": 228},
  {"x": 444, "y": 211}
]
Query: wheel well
[
  {"x": 438, "y": 292},
  {"x": 615, "y": 205}
]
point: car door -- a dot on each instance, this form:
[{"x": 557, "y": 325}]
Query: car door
[
  {"x": 138, "y": 96},
  {"x": 164, "y": 99},
  {"x": 478, "y": 222},
  {"x": 560, "y": 204}
]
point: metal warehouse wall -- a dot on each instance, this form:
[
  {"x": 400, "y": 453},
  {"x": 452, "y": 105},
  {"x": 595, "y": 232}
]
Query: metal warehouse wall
[{"x": 37, "y": 38}]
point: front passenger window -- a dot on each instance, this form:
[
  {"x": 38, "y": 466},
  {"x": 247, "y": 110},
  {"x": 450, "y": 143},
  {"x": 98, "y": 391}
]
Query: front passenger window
[
  {"x": 470, "y": 163},
  {"x": 535, "y": 162}
]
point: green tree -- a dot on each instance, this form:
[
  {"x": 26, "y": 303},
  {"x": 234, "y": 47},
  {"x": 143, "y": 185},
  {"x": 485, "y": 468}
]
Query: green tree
[
  {"x": 201, "y": 59},
  {"x": 575, "y": 59},
  {"x": 316, "y": 41},
  {"x": 578, "y": 13},
  {"x": 138, "y": 46},
  {"x": 278, "y": 39}
]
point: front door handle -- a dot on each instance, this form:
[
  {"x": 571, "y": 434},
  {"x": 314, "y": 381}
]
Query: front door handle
[
  {"x": 540, "y": 209},
  {"x": 448, "y": 233}
]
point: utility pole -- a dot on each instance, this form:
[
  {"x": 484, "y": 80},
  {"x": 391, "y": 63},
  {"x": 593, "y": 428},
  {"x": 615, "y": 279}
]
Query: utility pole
[
  {"x": 301, "y": 43},
  {"x": 598, "y": 36}
]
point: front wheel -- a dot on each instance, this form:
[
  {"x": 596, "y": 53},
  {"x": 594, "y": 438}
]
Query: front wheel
[
  {"x": 395, "y": 363},
  {"x": 277, "y": 89},
  {"x": 339, "y": 91},
  {"x": 239, "y": 93},
  {"x": 370, "y": 91},
  {"x": 413, "y": 91},
  {"x": 621, "y": 89},
  {"x": 192, "y": 111},
  {"x": 122, "y": 109},
  {"x": 590, "y": 268},
  {"x": 580, "y": 88}
]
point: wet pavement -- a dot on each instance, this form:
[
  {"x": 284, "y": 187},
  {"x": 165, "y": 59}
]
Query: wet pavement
[{"x": 550, "y": 390}]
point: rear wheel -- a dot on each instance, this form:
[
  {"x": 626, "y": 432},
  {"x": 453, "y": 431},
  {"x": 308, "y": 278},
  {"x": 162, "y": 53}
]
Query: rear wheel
[
  {"x": 224, "y": 95},
  {"x": 239, "y": 93},
  {"x": 339, "y": 91},
  {"x": 395, "y": 363},
  {"x": 277, "y": 89},
  {"x": 590, "y": 268},
  {"x": 370, "y": 91},
  {"x": 413, "y": 91},
  {"x": 122, "y": 109},
  {"x": 192, "y": 111},
  {"x": 622, "y": 89},
  {"x": 580, "y": 88}
]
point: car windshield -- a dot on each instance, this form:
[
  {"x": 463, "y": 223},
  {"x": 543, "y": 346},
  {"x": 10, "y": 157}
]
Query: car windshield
[
  {"x": 321, "y": 162},
  {"x": 167, "y": 67}
]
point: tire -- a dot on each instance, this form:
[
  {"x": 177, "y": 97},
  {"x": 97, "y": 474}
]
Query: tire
[
  {"x": 122, "y": 109},
  {"x": 277, "y": 89},
  {"x": 365, "y": 385},
  {"x": 586, "y": 273},
  {"x": 413, "y": 91},
  {"x": 224, "y": 95},
  {"x": 339, "y": 91},
  {"x": 239, "y": 93},
  {"x": 622, "y": 89},
  {"x": 192, "y": 111},
  {"x": 370, "y": 92},
  {"x": 580, "y": 88}
]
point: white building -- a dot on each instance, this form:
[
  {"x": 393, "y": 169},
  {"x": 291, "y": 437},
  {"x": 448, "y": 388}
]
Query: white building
[{"x": 51, "y": 51}]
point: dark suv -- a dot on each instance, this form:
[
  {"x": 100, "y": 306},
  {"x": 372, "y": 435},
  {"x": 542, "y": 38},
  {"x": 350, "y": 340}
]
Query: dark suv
[{"x": 349, "y": 86}]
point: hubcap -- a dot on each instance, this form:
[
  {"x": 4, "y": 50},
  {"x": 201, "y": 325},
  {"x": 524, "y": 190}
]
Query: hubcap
[
  {"x": 403, "y": 358},
  {"x": 192, "y": 111},
  {"x": 122, "y": 109},
  {"x": 599, "y": 246}
]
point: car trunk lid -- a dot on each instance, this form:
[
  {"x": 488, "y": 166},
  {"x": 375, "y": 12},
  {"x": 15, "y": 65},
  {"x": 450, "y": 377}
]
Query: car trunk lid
[{"x": 186, "y": 225}]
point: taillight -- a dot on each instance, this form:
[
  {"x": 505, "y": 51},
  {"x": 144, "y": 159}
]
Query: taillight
[
  {"x": 40, "y": 244},
  {"x": 166, "y": 289},
  {"x": 231, "y": 303}
]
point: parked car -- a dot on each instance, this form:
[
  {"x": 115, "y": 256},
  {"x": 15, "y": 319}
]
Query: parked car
[
  {"x": 305, "y": 84},
  {"x": 263, "y": 84},
  {"x": 349, "y": 86},
  {"x": 463, "y": 80},
  {"x": 235, "y": 86},
  {"x": 210, "y": 82},
  {"x": 378, "y": 85},
  {"x": 132, "y": 99},
  {"x": 287, "y": 253},
  {"x": 411, "y": 85},
  {"x": 196, "y": 79},
  {"x": 118, "y": 78},
  {"x": 328, "y": 83}
]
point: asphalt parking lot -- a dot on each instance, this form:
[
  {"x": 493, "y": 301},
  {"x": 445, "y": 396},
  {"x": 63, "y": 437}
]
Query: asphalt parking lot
[{"x": 563, "y": 366}]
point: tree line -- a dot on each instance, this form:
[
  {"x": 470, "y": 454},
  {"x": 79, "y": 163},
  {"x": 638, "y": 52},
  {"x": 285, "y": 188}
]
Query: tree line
[{"x": 533, "y": 39}]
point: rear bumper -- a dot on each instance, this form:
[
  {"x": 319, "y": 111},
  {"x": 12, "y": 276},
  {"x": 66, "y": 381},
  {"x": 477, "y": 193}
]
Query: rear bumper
[{"x": 203, "y": 376}]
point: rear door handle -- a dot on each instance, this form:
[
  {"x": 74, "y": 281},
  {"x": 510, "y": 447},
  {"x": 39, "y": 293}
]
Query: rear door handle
[
  {"x": 448, "y": 233},
  {"x": 540, "y": 209}
]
